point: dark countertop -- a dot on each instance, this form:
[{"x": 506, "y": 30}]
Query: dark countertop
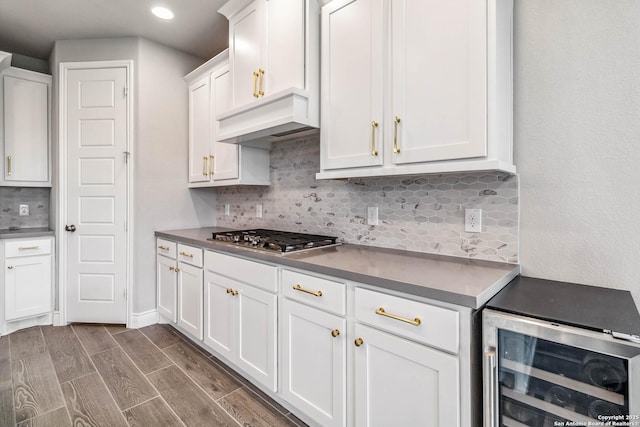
[
  {"x": 460, "y": 281},
  {"x": 591, "y": 307},
  {"x": 7, "y": 233}
]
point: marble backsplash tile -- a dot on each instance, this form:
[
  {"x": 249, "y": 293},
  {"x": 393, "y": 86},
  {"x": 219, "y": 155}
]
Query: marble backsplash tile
[
  {"x": 417, "y": 213},
  {"x": 38, "y": 200}
]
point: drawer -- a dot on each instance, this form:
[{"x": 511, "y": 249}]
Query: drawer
[
  {"x": 315, "y": 291},
  {"x": 166, "y": 248},
  {"x": 27, "y": 247},
  {"x": 254, "y": 273},
  {"x": 190, "y": 255},
  {"x": 438, "y": 326}
]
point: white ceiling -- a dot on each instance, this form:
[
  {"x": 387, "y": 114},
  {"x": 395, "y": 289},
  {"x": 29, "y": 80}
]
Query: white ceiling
[{"x": 29, "y": 27}]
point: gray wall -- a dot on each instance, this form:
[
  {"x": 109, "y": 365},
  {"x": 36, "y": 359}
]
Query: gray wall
[
  {"x": 577, "y": 140},
  {"x": 160, "y": 196}
]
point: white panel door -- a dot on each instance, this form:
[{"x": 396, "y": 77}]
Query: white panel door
[
  {"x": 26, "y": 128},
  {"x": 439, "y": 72},
  {"x": 245, "y": 52},
  {"x": 190, "y": 298},
  {"x": 313, "y": 362},
  {"x": 199, "y": 130},
  {"x": 96, "y": 187},
  {"x": 225, "y": 155},
  {"x": 220, "y": 314},
  {"x": 401, "y": 383},
  {"x": 257, "y": 334},
  {"x": 167, "y": 277},
  {"x": 351, "y": 83},
  {"x": 27, "y": 286}
]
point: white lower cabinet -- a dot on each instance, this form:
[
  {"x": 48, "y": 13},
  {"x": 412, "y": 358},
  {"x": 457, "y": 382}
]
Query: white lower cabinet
[
  {"x": 402, "y": 383},
  {"x": 314, "y": 376},
  {"x": 240, "y": 324},
  {"x": 190, "y": 297},
  {"x": 167, "y": 278},
  {"x": 26, "y": 284}
]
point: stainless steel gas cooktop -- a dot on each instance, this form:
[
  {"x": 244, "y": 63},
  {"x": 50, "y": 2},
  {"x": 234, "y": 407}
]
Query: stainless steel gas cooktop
[{"x": 283, "y": 242}]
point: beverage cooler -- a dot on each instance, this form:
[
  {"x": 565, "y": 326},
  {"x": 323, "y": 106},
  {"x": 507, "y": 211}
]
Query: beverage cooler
[{"x": 551, "y": 371}]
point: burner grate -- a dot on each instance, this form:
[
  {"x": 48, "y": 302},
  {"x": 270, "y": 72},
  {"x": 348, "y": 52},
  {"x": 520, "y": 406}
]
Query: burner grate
[{"x": 275, "y": 240}]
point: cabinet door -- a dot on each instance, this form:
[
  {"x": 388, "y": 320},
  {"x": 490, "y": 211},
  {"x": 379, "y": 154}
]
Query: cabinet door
[
  {"x": 313, "y": 360},
  {"x": 26, "y": 130},
  {"x": 285, "y": 45},
  {"x": 167, "y": 287},
  {"x": 438, "y": 69},
  {"x": 351, "y": 83},
  {"x": 225, "y": 155},
  {"x": 27, "y": 286},
  {"x": 246, "y": 39},
  {"x": 199, "y": 128},
  {"x": 401, "y": 383},
  {"x": 257, "y": 334},
  {"x": 220, "y": 314},
  {"x": 190, "y": 299}
]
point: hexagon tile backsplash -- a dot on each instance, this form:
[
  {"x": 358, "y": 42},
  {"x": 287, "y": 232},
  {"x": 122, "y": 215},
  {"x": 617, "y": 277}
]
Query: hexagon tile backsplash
[{"x": 417, "y": 213}]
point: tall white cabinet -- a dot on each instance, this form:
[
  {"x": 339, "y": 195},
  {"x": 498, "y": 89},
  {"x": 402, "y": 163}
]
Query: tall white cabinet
[
  {"x": 25, "y": 128},
  {"x": 416, "y": 86},
  {"x": 214, "y": 163}
]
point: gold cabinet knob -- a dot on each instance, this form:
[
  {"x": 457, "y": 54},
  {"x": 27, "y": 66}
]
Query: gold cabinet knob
[
  {"x": 172, "y": 269},
  {"x": 176, "y": 270},
  {"x": 335, "y": 333},
  {"x": 232, "y": 291},
  {"x": 358, "y": 342},
  {"x": 229, "y": 290}
]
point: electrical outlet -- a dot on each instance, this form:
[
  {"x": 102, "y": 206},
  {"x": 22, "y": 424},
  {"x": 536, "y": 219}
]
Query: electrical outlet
[
  {"x": 258, "y": 211},
  {"x": 23, "y": 210},
  {"x": 227, "y": 209},
  {"x": 372, "y": 215},
  {"x": 473, "y": 220}
]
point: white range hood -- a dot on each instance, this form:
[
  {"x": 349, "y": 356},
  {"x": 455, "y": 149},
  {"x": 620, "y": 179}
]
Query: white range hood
[{"x": 274, "y": 50}]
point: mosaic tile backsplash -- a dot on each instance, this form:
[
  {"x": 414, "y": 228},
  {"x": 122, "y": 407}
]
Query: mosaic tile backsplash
[
  {"x": 36, "y": 198},
  {"x": 416, "y": 213}
]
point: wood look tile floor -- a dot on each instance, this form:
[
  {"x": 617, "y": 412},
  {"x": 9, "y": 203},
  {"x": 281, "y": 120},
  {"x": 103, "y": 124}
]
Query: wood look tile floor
[{"x": 105, "y": 375}]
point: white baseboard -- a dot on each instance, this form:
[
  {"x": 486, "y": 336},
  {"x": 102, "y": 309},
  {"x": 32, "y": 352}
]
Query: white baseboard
[
  {"x": 57, "y": 321},
  {"x": 146, "y": 318}
]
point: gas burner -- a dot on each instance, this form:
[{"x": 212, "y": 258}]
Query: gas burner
[{"x": 275, "y": 240}]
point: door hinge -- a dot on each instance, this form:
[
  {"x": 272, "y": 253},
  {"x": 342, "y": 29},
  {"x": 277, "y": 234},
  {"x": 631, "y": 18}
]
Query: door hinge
[
  {"x": 126, "y": 91},
  {"x": 126, "y": 155},
  {"x": 125, "y": 293},
  {"x": 126, "y": 226}
]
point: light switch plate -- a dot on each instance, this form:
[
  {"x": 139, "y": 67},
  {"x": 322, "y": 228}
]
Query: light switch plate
[
  {"x": 227, "y": 209},
  {"x": 258, "y": 211},
  {"x": 23, "y": 210},
  {"x": 372, "y": 215}
]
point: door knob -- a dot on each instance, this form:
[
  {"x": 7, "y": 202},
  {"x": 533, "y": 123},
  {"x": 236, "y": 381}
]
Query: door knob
[{"x": 70, "y": 228}]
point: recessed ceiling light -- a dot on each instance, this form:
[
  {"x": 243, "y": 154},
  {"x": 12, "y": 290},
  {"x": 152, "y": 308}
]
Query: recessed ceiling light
[{"x": 162, "y": 12}]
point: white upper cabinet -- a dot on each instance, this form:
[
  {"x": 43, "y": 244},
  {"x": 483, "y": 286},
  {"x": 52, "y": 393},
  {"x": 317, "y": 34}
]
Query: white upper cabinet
[
  {"x": 416, "y": 86},
  {"x": 25, "y": 128},
  {"x": 274, "y": 62},
  {"x": 214, "y": 163}
]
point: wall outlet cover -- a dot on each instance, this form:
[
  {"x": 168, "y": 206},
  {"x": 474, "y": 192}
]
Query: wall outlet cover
[
  {"x": 23, "y": 210},
  {"x": 473, "y": 220}
]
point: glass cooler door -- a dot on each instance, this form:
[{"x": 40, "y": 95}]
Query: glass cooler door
[{"x": 544, "y": 375}]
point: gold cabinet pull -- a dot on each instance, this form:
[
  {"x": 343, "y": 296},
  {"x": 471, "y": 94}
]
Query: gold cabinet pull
[
  {"x": 204, "y": 166},
  {"x": 211, "y": 164},
  {"x": 28, "y": 248},
  {"x": 186, "y": 254},
  {"x": 9, "y": 165},
  {"x": 172, "y": 269},
  {"x": 396, "y": 121},
  {"x": 176, "y": 270},
  {"x": 260, "y": 90},
  {"x": 255, "y": 84},
  {"x": 301, "y": 289},
  {"x": 232, "y": 291},
  {"x": 358, "y": 342},
  {"x": 335, "y": 333},
  {"x": 414, "y": 322},
  {"x": 164, "y": 248},
  {"x": 374, "y": 125}
]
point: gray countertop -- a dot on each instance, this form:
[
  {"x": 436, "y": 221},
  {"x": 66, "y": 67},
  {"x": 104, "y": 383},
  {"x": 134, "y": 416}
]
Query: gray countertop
[
  {"x": 460, "y": 281},
  {"x": 8, "y": 233}
]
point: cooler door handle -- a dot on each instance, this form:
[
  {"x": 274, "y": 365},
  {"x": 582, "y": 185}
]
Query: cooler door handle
[{"x": 490, "y": 389}]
